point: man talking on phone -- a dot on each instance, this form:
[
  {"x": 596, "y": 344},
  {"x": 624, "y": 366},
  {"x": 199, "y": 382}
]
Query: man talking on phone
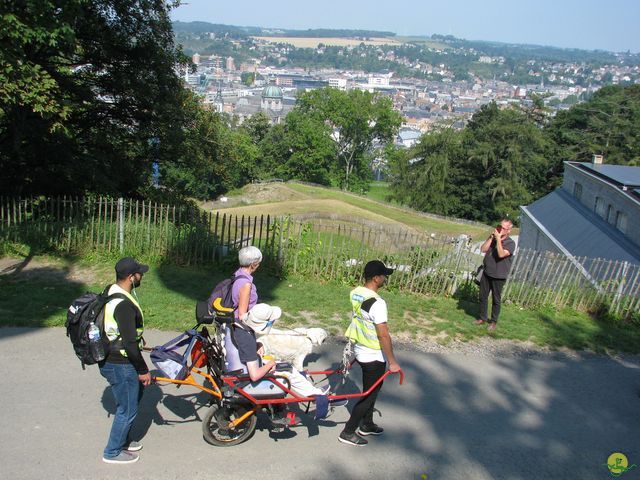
[{"x": 498, "y": 250}]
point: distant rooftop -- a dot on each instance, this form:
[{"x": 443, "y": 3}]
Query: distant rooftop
[
  {"x": 578, "y": 229},
  {"x": 407, "y": 134},
  {"x": 623, "y": 175},
  {"x": 272, "y": 91}
]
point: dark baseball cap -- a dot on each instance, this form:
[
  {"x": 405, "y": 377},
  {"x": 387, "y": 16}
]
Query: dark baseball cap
[
  {"x": 128, "y": 266},
  {"x": 376, "y": 267}
]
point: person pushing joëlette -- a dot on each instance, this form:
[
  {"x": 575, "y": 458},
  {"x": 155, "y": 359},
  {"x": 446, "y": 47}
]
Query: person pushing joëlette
[{"x": 370, "y": 333}]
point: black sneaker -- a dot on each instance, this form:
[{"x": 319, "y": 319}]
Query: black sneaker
[
  {"x": 352, "y": 439},
  {"x": 133, "y": 446},
  {"x": 372, "y": 429}
]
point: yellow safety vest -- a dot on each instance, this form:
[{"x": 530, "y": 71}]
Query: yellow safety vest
[
  {"x": 362, "y": 331},
  {"x": 110, "y": 324}
]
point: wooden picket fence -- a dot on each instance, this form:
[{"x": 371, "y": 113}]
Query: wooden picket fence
[
  {"x": 546, "y": 278},
  {"x": 441, "y": 265},
  {"x": 332, "y": 249},
  {"x": 180, "y": 234}
]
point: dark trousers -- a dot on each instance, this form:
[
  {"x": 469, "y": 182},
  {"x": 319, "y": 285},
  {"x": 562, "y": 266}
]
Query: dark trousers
[
  {"x": 493, "y": 285},
  {"x": 362, "y": 413}
]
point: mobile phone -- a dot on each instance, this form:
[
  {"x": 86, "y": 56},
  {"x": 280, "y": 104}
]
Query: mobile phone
[
  {"x": 284, "y": 367},
  {"x": 499, "y": 228}
]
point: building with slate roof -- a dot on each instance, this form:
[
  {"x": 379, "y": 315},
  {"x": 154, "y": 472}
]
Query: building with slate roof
[
  {"x": 271, "y": 101},
  {"x": 594, "y": 214}
]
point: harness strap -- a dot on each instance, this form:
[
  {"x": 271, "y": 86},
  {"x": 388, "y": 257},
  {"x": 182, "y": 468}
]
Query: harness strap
[{"x": 347, "y": 356}]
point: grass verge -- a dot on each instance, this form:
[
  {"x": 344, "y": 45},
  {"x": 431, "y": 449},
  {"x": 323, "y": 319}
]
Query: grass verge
[{"x": 39, "y": 292}]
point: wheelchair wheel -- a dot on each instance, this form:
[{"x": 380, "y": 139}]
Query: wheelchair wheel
[{"x": 215, "y": 425}]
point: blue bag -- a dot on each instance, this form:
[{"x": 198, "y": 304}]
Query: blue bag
[{"x": 173, "y": 364}]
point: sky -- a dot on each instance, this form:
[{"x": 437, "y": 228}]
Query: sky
[{"x": 612, "y": 25}]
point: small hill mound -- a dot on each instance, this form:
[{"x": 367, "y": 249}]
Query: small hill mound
[{"x": 255, "y": 194}]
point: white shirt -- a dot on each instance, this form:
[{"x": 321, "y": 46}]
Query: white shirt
[{"x": 377, "y": 314}]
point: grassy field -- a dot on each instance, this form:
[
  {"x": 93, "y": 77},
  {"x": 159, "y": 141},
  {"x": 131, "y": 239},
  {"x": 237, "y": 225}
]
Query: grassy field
[
  {"x": 301, "y": 199},
  {"x": 405, "y": 216},
  {"x": 39, "y": 293},
  {"x": 302, "y": 207},
  {"x": 423, "y": 42},
  {"x": 379, "y": 192},
  {"x": 313, "y": 42}
]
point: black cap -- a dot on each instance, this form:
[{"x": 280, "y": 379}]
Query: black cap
[
  {"x": 376, "y": 267},
  {"x": 128, "y": 266}
]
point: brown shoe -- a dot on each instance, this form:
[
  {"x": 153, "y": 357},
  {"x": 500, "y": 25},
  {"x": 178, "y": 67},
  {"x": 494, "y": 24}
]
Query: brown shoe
[
  {"x": 480, "y": 322},
  {"x": 492, "y": 326}
]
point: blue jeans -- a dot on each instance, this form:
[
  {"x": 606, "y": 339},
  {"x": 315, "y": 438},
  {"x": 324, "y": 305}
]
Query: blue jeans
[{"x": 127, "y": 391}]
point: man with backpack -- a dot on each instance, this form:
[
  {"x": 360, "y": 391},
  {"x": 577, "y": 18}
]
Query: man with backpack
[{"x": 124, "y": 367}]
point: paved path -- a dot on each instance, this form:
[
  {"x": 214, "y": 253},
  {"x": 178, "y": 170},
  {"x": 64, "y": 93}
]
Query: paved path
[{"x": 456, "y": 417}]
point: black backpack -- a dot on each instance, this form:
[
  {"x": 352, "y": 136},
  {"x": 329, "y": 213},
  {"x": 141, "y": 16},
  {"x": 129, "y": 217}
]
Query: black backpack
[{"x": 85, "y": 310}]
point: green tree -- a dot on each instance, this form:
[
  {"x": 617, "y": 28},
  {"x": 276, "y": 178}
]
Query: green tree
[
  {"x": 356, "y": 119},
  {"x": 607, "y": 124},
  {"x": 497, "y": 163},
  {"x": 257, "y": 126},
  {"x": 424, "y": 176},
  {"x": 86, "y": 92},
  {"x": 210, "y": 157},
  {"x": 571, "y": 100},
  {"x": 300, "y": 149},
  {"x": 247, "y": 78},
  {"x": 507, "y": 157}
]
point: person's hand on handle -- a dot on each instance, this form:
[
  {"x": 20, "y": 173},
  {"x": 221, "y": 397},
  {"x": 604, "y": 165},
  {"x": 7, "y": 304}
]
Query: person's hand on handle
[
  {"x": 394, "y": 367},
  {"x": 145, "y": 379},
  {"x": 272, "y": 365}
]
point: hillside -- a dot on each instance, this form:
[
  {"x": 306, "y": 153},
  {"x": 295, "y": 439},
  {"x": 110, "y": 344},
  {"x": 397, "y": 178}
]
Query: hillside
[
  {"x": 303, "y": 201},
  {"x": 406, "y": 56}
]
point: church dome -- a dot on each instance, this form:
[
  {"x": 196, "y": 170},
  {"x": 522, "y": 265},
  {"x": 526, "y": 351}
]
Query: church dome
[{"x": 272, "y": 91}]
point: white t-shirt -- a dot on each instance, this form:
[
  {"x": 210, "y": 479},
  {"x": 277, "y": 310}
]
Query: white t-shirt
[{"x": 377, "y": 314}]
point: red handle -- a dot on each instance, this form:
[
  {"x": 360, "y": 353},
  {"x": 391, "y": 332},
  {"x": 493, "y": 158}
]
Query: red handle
[{"x": 401, "y": 375}]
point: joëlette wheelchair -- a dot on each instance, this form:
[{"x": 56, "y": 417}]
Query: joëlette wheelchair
[{"x": 231, "y": 419}]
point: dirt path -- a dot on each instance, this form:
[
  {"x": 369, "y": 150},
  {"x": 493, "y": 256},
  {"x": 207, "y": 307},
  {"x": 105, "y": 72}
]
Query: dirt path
[{"x": 42, "y": 267}]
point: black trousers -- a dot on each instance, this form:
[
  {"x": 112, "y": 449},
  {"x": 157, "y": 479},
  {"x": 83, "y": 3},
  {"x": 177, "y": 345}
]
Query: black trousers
[
  {"x": 493, "y": 286},
  {"x": 362, "y": 413}
]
